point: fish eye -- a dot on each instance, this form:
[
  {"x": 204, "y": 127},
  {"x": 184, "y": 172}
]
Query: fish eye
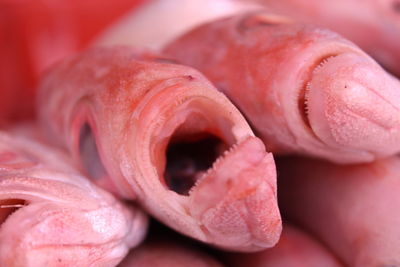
[{"x": 89, "y": 154}]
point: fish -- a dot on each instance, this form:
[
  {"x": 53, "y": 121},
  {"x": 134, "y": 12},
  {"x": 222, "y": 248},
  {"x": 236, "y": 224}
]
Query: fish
[
  {"x": 352, "y": 209},
  {"x": 50, "y": 215},
  {"x": 168, "y": 253},
  {"x": 158, "y": 22},
  {"x": 150, "y": 130},
  {"x": 305, "y": 90},
  {"x": 295, "y": 248},
  {"x": 374, "y": 25}
]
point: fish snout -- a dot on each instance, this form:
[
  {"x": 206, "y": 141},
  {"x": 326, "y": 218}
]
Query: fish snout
[
  {"x": 242, "y": 212},
  {"x": 353, "y": 104},
  {"x": 45, "y": 233}
]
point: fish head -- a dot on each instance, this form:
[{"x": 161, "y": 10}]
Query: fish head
[{"x": 200, "y": 169}]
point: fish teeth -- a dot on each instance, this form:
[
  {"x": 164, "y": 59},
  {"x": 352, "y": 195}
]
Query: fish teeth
[
  {"x": 323, "y": 62},
  {"x": 306, "y": 97},
  {"x": 214, "y": 166}
]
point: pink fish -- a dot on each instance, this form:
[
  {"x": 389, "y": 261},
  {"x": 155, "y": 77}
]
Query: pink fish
[
  {"x": 305, "y": 90},
  {"x": 52, "y": 216},
  {"x": 163, "y": 253},
  {"x": 157, "y": 22},
  {"x": 145, "y": 128},
  {"x": 353, "y": 209},
  {"x": 294, "y": 249},
  {"x": 374, "y": 25}
]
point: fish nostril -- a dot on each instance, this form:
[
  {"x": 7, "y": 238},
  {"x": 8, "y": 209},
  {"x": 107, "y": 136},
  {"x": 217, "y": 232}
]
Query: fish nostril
[
  {"x": 89, "y": 154},
  {"x": 9, "y": 206},
  {"x": 188, "y": 159}
]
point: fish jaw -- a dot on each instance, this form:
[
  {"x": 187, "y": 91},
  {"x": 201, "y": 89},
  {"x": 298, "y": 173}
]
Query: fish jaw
[
  {"x": 182, "y": 113},
  {"x": 243, "y": 185},
  {"x": 52, "y": 216},
  {"x": 36, "y": 233},
  {"x": 51, "y": 229},
  {"x": 352, "y": 102},
  {"x": 274, "y": 59},
  {"x": 337, "y": 88}
]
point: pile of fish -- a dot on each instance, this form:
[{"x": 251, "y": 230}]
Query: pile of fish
[{"x": 266, "y": 132}]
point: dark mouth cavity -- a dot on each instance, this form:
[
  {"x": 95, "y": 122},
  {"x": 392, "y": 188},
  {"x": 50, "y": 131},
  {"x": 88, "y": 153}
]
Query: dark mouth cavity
[
  {"x": 89, "y": 154},
  {"x": 9, "y": 206},
  {"x": 189, "y": 158}
]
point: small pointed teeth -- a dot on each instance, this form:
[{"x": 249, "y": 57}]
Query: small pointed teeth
[
  {"x": 353, "y": 104},
  {"x": 215, "y": 165}
]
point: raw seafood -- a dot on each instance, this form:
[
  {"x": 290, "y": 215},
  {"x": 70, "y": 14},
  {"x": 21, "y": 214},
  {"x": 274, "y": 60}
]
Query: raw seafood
[
  {"x": 146, "y": 128},
  {"x": 52, "y": 216},
  {"x": 163, "y": 253},
  {"x": 158, "y": 22},
  {"x": 294, "y": 249},
  {"x": 304, "y": 89},
  {"x": 353, "y": 209},
  {"x": 374, "y": 25}
]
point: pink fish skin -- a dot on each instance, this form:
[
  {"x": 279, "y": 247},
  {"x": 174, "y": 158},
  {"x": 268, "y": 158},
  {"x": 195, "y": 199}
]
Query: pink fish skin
[
  {"x": 163, "y": 253},
  {"x": 374, "y": 25},
  {"x": 305, "y": 90},
  {"x": 352, "y": 209},
  {"x": 158, "y": 22},
  {"x": 294, "y": 249},
  {"x": 157, "y": 131},
  {"x": 51, "y": 215}
]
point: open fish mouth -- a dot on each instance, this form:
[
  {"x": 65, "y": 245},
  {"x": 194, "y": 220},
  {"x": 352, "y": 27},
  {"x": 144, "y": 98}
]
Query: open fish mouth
[
  {"x": 9, "y": 206},
  {"x": 199, "y": 134},
  {"x": 305, "y": 87},
  {"x": 190, "y": 154},
  {"x": 196, "y": 142},
  {"x": 337, "y": 103}
]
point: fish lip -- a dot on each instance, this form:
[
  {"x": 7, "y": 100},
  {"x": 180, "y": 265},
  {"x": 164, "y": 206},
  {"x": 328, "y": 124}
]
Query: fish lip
[
  {"x": 238, "y": 192},
  {"x": 152, "y": 129},
  {"x": 306, "y": 61},
  {"x": 358, "y": 97},
  {"x": 233, "y": 131},
  {"x": 307, "y": 71}
]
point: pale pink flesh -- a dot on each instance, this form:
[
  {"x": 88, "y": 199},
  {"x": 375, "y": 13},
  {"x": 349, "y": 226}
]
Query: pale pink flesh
[
  {"x": 352, "y": 209},
  {"x": 277, "y": 71},
  {"x": 168, "y": 253},
  {"x": 374, "y": 25},
  {"x": 158, "y": 22},
  {"x": 50, "y": 215},
  {"x": 138, "y": 107},
  {"x": 294, "y": 249}
]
